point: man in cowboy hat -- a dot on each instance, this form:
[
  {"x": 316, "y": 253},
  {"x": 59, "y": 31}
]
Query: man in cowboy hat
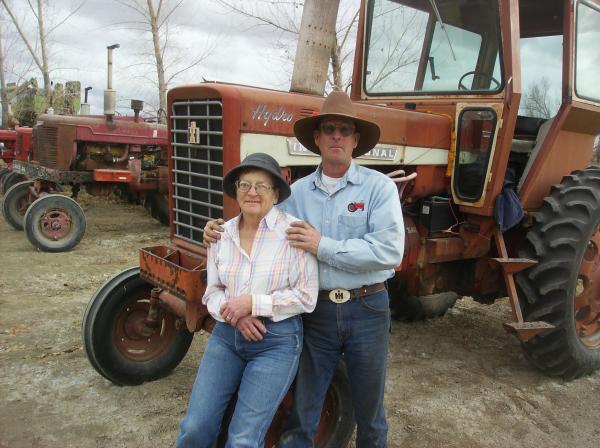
[{"x": 352, "y": 223}]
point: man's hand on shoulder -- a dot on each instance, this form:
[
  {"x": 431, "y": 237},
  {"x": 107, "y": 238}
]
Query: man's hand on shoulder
[
  {"x": 304, "y": 236},
  {"x": 212, "y": 231}
]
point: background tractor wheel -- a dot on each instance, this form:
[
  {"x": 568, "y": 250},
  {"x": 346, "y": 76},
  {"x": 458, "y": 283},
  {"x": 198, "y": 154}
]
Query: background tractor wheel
[
  {"x": 116, "y": 339},
  {"x": 412, "y": 308},
  {"x": 3, "y": 172},
  {"x": 16, "y": 202},
  {"x": 564, "y": 287},
  {"x": 159, "y": 207},
  {"x": 54, "y": 223},
  {"x": 11, "y": 179},
  {"x": 337, "y": 418}
]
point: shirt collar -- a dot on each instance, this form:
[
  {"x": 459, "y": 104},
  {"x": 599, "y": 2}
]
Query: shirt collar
[
  {"x": 270, "y": 220},
  {"x": 352, "y": 175}
]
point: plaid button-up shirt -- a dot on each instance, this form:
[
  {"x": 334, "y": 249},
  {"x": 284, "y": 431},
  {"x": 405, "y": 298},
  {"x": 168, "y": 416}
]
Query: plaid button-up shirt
[{"x": 283, "y": 281}]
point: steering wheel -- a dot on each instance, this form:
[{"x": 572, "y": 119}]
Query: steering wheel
[{"x": 461, "y": 86}]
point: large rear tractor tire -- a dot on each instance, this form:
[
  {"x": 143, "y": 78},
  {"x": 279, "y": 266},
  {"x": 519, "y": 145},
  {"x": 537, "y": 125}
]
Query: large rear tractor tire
[
  {"x": 16, "y": 202},
  {"x": 117, "y": 340},
  {"x": 337, "y": 417},
  {"x": 412, "y": 308},
  {"x": 564, "y": 287},
  {"x": 54, "y": 223}
]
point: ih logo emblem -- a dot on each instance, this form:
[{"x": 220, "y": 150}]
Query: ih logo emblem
[
  {"x": 339, "y": 295},
  {"x": 193, "y": 133}
]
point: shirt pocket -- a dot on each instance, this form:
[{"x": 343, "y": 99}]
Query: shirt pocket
[{"x": 352, "y": 226}]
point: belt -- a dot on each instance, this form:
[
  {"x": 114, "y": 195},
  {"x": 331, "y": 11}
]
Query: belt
[{"x": 339, "y": 295}]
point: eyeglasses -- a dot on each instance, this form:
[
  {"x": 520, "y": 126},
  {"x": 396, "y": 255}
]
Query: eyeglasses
[
  {"x": 345, "y": 129},
  {"x": 245, "y": 187}
]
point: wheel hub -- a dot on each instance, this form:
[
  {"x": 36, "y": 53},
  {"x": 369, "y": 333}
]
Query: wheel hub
[
  {"x": 135, "y": 339},
  {"x": 55, "y": 224}
]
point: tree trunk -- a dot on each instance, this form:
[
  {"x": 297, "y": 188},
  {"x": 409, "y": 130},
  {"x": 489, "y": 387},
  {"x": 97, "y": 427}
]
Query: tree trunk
[
  {"x": 315, "y": 44},
  {"x": 336, "y": 65},
  {"x": 3, "y": 92},
  {"x": 45, "y": 69},
  {"x": 160, "y": 68}
]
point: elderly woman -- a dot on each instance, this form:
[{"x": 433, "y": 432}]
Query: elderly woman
[{"x": 257, "y": 288}]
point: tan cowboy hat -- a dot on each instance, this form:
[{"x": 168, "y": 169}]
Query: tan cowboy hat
[{"x": 337, "y": 104}]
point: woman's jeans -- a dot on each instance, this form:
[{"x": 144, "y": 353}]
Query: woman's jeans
[
  {"x": 360, "y": 329},
  {"x": 263, "y": 371}
]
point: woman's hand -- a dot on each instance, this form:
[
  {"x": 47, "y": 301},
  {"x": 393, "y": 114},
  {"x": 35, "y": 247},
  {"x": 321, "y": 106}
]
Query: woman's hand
[
  {"x": 251, "y": 328},
  {"x": 212, "y": 231},
  {"x": 236, "y": 308}
]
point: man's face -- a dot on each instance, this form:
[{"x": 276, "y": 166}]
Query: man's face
[{"x": 336, "y": 139}]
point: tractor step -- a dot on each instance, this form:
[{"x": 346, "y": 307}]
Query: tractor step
[
  {"x": 526, "y": 330},
  {"x": 514, "y": 265}
]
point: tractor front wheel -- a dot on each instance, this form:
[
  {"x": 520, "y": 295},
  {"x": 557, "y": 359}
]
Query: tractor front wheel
[
  {"x": 54, "y": 223},
  {"x": 16, "y": 202},
  {"x": 119, "y": 341},
  {"x": 564, "y": 287},
  {"x": 11, "y": 179}
]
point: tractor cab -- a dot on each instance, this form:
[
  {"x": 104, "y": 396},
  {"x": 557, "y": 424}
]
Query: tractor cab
[{"x": 517, "y": 80}]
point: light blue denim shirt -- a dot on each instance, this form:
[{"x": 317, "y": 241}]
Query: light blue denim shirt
[{"x": 360, "y": 222}]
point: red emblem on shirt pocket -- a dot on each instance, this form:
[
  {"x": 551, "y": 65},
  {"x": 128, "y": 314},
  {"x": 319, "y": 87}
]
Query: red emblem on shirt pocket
[{"x": 353, "y": 206}]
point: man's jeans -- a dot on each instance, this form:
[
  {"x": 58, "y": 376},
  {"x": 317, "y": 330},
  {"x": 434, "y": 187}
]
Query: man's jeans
[
  {"x": 359, "y": 328},
  {"x": 263, "y": 370}
]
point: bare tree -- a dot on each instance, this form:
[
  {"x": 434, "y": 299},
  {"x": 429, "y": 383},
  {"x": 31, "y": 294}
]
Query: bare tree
[
  {"x": 539, "y": 101},
  {"x": 284, "y": 17},
  {"x": 38, "y": 47},
  {"x": 3, "y": 91},
  {"x": 155, "y": 19}
]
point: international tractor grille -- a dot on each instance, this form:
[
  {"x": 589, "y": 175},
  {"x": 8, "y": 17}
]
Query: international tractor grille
[
  {"x": 197, "y": 139},
  {"x": 45, "y": 146}
]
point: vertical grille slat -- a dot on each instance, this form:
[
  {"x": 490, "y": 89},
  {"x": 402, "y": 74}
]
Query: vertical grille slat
[
  {"x": 197, "y": 167},
  {"x": 45, "y": 148}
]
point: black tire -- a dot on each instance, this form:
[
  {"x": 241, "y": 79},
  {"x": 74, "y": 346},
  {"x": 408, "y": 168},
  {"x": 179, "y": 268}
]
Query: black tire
[
  {"x": 565, "y": 240},
  {"x": 111, "y": 344},
  {"x": 337, "y": 418},
  {"x": 11, "y": 179},
  {"x": 159, "y": 207},
  {"x": 54, "y": 223},
  {"x": 3, "y": 172},
  {"x": 411, "y": 308},
  {"x": 16, "y": 202}
]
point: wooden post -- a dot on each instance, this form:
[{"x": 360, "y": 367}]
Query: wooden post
[{"x": 315, "y": 41}]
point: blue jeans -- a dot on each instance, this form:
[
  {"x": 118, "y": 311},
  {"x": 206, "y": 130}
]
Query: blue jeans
[
  {"x": 360, "y": 329},
  {"x": 263, "y": 371}
]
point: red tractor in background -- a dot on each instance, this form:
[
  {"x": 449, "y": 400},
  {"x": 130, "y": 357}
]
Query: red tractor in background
[
  {"x": 101, "y": 153},
  {"x": 14, "y": 145},
  {"x": 495, "y": 204}
]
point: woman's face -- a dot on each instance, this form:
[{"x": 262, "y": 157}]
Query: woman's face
[{"x": 261, "y": 195}]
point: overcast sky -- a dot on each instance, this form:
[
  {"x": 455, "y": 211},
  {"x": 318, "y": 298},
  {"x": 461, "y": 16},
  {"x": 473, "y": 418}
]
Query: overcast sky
[{"x": 242, "y": 52}]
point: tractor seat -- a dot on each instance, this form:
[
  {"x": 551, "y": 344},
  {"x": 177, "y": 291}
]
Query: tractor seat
[{"x": 541, "y": 136}]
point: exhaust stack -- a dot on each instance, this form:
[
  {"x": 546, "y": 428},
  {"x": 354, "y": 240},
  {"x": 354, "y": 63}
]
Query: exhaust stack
[
  {"x": 85, "y": 106},
  {"x": 110, "y": 96}
]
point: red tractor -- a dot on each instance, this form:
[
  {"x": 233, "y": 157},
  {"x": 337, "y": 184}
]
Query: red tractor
[
  {"x": 495, "y": 204},
  {"x": 14, "y": 145},
  {"x": 102, "y": 153}
]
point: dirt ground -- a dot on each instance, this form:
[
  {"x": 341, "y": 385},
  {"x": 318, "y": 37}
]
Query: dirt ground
[{"x": 456, "y": 381}]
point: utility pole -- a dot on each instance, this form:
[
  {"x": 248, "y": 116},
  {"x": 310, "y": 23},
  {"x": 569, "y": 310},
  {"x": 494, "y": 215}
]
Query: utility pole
[{"x": 315, "y": 44}]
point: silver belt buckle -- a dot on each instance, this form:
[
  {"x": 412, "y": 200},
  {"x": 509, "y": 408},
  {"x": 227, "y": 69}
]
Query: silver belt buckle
[{"x": 339, "y": 295}]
